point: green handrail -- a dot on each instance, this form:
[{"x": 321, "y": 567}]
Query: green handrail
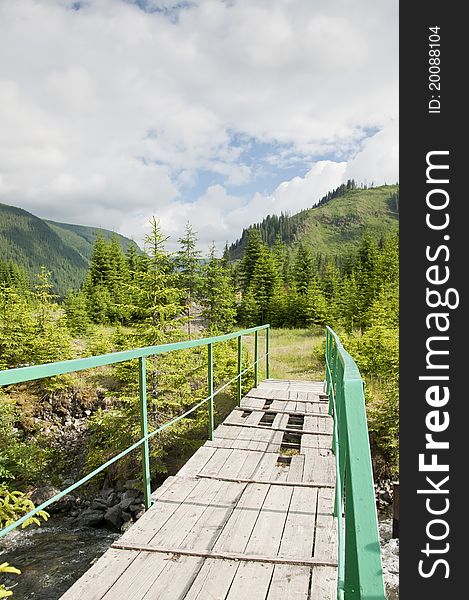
[
  {"x": 360, "y": 573},
  {"x": 22, "y": 374}
]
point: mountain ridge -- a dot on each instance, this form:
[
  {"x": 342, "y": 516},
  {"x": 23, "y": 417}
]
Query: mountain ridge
[
  {"x": 64, "y": 249},
  {"x": 334, "y": 226}
]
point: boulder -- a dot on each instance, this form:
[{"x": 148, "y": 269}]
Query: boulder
[
  {"x": 90, "y": 518},
  {"x": 133, "y": 494},
  {"x": 113, "y": 518},
  {"x": 133, "y": 484},
  {"x": 45, "y": 492}
]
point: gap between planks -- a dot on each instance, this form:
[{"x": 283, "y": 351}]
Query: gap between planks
[
  {"x": 293, "y": 413},
  {"x": 269, "y": 428}
]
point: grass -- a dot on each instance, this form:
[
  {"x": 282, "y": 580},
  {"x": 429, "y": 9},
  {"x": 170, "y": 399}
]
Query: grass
[{"x": 293, "y": 354}]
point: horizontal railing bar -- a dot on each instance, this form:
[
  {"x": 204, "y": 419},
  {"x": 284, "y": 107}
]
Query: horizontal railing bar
[
  {"x": 111, "y": 461},
  {"x": 22, "y": 374},
  {"x": 69, "y": 489}
]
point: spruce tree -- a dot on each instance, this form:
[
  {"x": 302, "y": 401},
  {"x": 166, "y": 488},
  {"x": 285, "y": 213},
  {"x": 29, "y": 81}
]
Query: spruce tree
[
  {"x": 303, "y": 269},
  {"x": 265, "y": 283},
  {"x": 218, "y": 296},
  {"x": 156, "y": 295},
  {"x": 188, "y": 263},
  {"x": 254, "y": 249},
  {"x": 249, "y": 308}
]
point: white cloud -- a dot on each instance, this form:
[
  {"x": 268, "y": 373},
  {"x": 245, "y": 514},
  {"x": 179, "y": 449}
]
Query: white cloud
[
  {"x": 378, "y": 161},
  {"x": 109, "y": 113}
]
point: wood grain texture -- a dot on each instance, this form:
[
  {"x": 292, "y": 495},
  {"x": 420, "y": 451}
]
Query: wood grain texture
[{"x": 247, "y": 516}]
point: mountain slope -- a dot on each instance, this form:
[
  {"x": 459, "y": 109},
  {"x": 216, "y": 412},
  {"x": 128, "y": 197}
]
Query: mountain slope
[
  {"x": 82, "y": 238},
  {"x": 334, "y": 226},
  {"x": 65, "y": 250}
]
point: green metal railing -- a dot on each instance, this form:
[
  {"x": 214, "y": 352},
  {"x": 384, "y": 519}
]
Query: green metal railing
[
  {"x": 23, "y": 374},
  {"x": 360, "y": 572}
]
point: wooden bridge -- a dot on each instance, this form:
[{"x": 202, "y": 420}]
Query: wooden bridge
[
  {"x": 258, "y": 512},
  {"x": 250, "y": 515}
]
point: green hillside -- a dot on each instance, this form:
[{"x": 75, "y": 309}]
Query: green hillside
[
  {"x": 82, "y": 238},
  {"x": 63, "y": 249},
  {"x": 334, "y": 226}
]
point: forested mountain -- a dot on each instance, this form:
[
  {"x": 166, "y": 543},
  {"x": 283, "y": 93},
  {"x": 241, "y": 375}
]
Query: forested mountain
[
  {"x": 65, "y": 250},
  {"x": 335, "y": 225}
]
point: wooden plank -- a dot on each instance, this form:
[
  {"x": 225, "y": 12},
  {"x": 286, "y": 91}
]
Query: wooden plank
[
  {"x": 252, "y": 402},
  {"x": 295, "y": 472},
  {"x": 267, "y": 532},
  {"x": 221, "y": 555},
  {"x": 289, "y": 582},
  {"x": 249, "y": 465},
  {"x": 101, "y": 576},
  {"x": 219, "y": 458},
  {"x": 206, "y": 529},
  {"x": 183, "y": 519},
  {"x": 154, "y": 518},
  {"x": 266, "y": 466},
  {"x": 237, "y": 531},
  {"x": 234, "y": 464},
  {"x": 319, "y": 465},
  {"x": 213, "y": 580},
  {"x": 324, "y": 583},
  {"x": 298, "y": 536},
  {"x": 252, "y": 580},
  {"x": 135, "y": 582},
  {"x": 220, "y": 443},
  {"x": 227, "y": 432},
  {"x": 272, "y": 482},
  {"x": 174, "y": 581},
  {"x": 254, "y": 418},
  {"x": 325, "y": 544},
  {"x": 196, "y": 462}
]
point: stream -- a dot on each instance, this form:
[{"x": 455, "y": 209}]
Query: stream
[{"x": 51, "y": 557}]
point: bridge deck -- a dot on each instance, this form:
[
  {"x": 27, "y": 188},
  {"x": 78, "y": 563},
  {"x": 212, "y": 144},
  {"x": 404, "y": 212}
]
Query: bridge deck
[{"x": 249, "y": 516}]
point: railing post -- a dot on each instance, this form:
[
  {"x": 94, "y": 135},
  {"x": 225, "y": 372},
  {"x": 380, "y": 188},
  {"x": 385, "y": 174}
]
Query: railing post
[
  {"x": 267, "y": 353},
  {"x": 256, "y": 358},
  {"x": 211, "y": 422},
  {"x": 240, "y": 368},
  {"x": 142, "y": 385}
]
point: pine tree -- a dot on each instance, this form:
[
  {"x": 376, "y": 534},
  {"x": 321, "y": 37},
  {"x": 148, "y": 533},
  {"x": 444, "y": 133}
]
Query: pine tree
[
  {"x": 155, "y": 293},
  {"x": 254, "y": 249},
  {"x": 317, "y": 305},
  {"x": 16, "y": 327},
  {"x": 76, "y": 312},
  {"x": 303, "y": 269},
  {"x": 249, "y": 308},
  {"x": 51, "y": 339},
  {"x": 218, "y": 296},
  {"x": 188, "y": 263},
  {"x": 265, "y": 283}
]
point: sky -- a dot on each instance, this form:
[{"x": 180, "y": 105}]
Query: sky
[{"x": 208, "y": 111}]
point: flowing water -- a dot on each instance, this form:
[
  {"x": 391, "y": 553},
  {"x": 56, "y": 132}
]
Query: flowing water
[{"x": 51, "y": 557}]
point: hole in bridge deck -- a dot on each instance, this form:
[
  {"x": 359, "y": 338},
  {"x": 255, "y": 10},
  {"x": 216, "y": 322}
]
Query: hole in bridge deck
[
  {"x": 291, "y": 444},
  {"x": 296, "y": 421},
  {"x": 283, "y": 461},
  {"x": 267, "y": 419},
  {"x": 267, "y": 404},
  {"x": 246, "y": 414}
]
